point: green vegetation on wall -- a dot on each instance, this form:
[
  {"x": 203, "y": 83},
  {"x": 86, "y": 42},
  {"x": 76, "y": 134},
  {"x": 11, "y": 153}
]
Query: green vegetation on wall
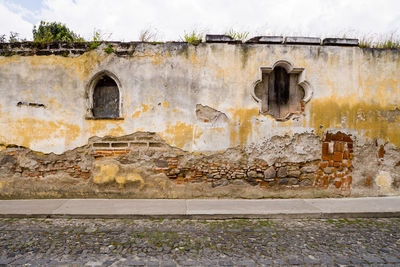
[{"x": 193, "y": 37}]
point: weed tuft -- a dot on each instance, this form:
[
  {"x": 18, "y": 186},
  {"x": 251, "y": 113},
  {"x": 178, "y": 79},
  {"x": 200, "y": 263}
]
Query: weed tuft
[
  {"x": 239, "y": 36},
  {"x": 193, "y": 37},
  {"x": 148, "y": 35},
  {"x": 109, "y": 49},
  {"x": 382, "y": 42}
]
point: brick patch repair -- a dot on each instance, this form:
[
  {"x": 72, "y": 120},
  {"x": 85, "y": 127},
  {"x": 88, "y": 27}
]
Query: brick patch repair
[{"x": 335, "y": 166}]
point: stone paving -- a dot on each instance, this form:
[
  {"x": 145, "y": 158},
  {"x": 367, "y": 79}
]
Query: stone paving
[{"x": 123, "y": 242}]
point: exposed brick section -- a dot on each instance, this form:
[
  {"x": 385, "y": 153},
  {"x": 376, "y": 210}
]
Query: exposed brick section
[
  {"x": 116, "y": 146},
  {"x": 335, "y": 166},
  {"x": 110, "y": 152}
]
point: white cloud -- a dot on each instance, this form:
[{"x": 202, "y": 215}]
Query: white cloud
[
  {"x": 126, "y": 18},
  {"x": 12, "y": 20}
]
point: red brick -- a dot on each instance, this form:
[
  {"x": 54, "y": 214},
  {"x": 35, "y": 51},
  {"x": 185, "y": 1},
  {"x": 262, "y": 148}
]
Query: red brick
[
  {"x": 347, "y": 138},
  {"x": 338, "y": 156},
  {"x": 349, "y": 145},
  {"x": 326, "y": 157},
  {"x": 104, "y": 153},
  {"x": 104, "y": 150},
  {"x": 338, "y": 146},
  {"x": 337, "y": 136},
  {"x": 119, "y": 153},
  {"x": 368, "y": 181},
  {"x": 328, "y": 137},
  {"x": 325, "y": 148},
  {"x": 336, "y": 164},
  {"x": 349, "y": 179},
  {"x": 381, "y": 152}
]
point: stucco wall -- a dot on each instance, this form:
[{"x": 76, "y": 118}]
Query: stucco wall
[{"x": 354, "y": 90}]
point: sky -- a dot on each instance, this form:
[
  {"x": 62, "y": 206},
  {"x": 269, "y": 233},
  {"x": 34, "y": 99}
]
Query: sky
[{"x": 124, "y": 20}]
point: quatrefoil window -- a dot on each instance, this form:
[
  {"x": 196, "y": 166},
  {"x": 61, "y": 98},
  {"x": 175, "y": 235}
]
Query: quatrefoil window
[{"x": 282, "y": 90}]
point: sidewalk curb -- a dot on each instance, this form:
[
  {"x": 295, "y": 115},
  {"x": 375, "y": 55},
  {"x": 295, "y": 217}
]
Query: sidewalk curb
[
  {"x": 377, "y": 207},
  {"x": 209, "y": 216}
]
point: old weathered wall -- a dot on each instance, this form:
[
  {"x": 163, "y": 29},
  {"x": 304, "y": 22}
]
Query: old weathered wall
[{"x": 199, "y": 102}]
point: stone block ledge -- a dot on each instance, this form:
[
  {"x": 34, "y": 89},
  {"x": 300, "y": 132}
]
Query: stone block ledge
[{"x": 74, "y": 49}]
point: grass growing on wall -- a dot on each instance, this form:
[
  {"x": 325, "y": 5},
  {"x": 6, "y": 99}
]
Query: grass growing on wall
[
  {"x": 193, "y": 37},
  {"x": 388, "y": 43},
  {"x": 237, "y": 35},
  {"x": 148, "y": 34}
]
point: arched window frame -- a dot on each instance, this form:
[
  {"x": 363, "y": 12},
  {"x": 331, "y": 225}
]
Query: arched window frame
[
  {"x": 90, "y": 90},
  {"x": 290, "y": 69}
]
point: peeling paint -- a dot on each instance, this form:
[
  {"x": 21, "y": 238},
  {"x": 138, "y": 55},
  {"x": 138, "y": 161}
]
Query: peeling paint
[
  {"x": 142, "y": 109},
  {"x": 372, "y": 120},
  {"x": 27, "y": 131},
  {"x": 241, "y": 127},
  {"x": 104, "y": 127},
  {"x": 179, "y": 134}
]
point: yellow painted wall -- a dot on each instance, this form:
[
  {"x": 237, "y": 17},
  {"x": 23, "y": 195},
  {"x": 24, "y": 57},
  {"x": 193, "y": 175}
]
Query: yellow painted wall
[{"x": 354, "y": 89}]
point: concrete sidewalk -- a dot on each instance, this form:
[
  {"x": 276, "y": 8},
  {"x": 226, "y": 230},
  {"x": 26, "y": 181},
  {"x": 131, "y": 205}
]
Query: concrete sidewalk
[{"x": 203, "y": 208}]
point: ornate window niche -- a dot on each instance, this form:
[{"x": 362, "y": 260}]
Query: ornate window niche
[
  {"x": 282, "y": 90},
  {"x": 103, "y": 95}
]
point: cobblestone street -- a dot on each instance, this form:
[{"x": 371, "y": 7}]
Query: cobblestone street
[{"x": 119, "y": 242}]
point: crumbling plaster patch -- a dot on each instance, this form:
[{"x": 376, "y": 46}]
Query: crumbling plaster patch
[
  {"x": 209, "y": 115},
  {"x": 296, "y": 148}
]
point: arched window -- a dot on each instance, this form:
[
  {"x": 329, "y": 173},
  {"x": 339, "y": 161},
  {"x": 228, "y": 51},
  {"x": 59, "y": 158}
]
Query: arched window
[{"x": 105, "y": 98}]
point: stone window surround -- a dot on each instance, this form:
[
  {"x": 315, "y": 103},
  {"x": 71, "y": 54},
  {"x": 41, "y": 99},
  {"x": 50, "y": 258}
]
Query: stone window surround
[
  {"x": 89, "y": 95},
  {"x": 290, "y": 69}
]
